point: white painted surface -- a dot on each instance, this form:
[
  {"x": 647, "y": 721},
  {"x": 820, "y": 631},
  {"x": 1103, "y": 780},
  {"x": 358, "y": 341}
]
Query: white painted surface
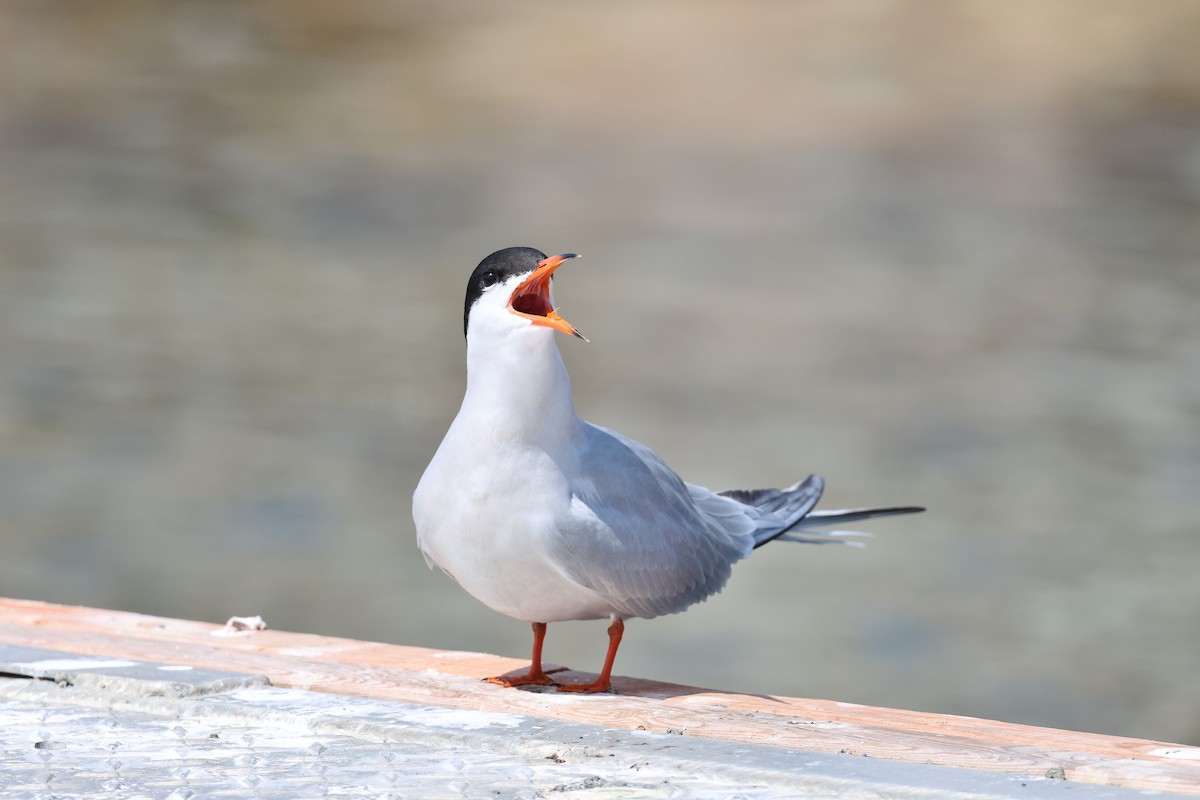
[{"x": 60, "y": 664}]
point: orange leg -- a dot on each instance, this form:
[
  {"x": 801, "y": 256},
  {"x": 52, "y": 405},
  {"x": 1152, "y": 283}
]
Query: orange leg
[
  {"x": 535, "y": 676},
  {"x": 602, "y": 683}
]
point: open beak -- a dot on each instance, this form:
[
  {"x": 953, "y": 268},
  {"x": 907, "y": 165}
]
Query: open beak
[{"x": 531, "y": 299}]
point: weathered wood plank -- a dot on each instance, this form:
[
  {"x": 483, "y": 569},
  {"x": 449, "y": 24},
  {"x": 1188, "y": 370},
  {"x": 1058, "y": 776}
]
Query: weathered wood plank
[{"x": 451, "y": 679}]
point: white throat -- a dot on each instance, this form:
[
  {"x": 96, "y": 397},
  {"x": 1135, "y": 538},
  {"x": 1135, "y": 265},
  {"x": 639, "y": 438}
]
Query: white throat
[{"x": 517, "y": 385}]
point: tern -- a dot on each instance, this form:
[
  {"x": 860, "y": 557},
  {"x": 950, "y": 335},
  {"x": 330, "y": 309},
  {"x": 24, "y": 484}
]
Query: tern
[{"x": 546, "y": 518}]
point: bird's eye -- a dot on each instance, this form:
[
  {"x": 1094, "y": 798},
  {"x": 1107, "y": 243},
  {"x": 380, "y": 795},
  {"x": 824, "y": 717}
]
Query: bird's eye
[{"x": 488, "y": 278}]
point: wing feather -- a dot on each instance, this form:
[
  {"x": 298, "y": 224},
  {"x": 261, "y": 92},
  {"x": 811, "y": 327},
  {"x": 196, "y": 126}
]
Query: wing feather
[{"x": 650, "y": 543}]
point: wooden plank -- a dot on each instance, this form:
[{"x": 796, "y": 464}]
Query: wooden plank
[{"x": 452, "y": 679}]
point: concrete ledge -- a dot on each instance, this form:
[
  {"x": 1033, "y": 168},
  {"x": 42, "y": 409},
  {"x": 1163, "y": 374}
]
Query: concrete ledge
[
  {"x": 136, "y": 678},
  {"x": 389, "y": 693}
]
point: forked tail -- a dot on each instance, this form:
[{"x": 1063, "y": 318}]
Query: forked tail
[{"x": 789, "y": 515}]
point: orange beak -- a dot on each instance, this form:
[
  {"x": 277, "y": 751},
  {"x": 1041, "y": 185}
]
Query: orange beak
[{"x": 532, "y": 298}]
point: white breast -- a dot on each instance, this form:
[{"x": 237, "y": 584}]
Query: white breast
[{"x": 490, "y": 517}]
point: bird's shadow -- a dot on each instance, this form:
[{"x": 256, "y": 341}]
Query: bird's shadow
[{"x": 624, "y": 686}]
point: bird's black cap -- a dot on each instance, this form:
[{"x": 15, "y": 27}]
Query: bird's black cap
[{"x": 497, "y": 268}]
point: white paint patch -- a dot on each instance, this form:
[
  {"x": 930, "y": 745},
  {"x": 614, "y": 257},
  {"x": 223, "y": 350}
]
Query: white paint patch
[
  {"x": 175, "y": 668},
  {"x": 52, "y": 664},
  {"x": 460, "y": 719},
  {"x": 240, "y": 626},
  {"x": 215, "y": 751},
  {"x": 1184, "y": 753},
  {"x": 275, "y": 695},
  {"x": 301, "y": 702}
]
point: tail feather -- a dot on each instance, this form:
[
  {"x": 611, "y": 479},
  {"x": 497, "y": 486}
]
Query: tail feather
[
  {"x": 822, "y": 517},
  {"x": 776, "y": 501},
  {"x": 847, "y": 538},
  {"x": 788, "y": 514},
  {"x": 779, "y": 509}
]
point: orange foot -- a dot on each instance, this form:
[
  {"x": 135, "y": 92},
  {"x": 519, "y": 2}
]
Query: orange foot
[
  {"x": 600, "y": 685},
  {"x": 535, "y": 677}
]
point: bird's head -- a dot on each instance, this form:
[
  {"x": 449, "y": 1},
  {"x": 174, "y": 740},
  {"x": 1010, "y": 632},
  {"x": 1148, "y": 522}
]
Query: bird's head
[{"x": 510, "y": 291}]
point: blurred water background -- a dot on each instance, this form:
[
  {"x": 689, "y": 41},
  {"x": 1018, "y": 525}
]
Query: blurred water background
[{"x": 945, "y": 254}]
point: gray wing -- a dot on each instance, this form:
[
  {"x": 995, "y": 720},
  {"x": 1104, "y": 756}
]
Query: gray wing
[{"x": 651, "y": 544}]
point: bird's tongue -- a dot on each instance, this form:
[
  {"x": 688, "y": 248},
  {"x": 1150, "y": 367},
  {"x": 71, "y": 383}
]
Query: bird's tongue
[{"x": 531, "y": 299}]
